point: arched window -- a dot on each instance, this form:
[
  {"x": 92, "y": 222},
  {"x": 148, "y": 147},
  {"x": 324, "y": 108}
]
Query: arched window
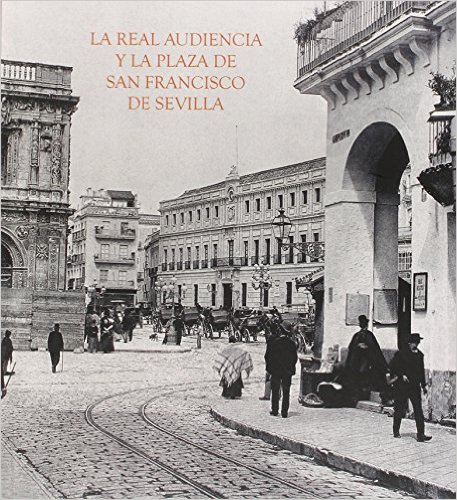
[{"x": 7, "y": 268}]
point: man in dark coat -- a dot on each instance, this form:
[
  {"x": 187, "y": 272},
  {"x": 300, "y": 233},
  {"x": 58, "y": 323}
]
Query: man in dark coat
[
  {"x": 365, "y": 366},
  {"x": 55, "y": 345},
  {"x": 179, "y": 322},
  {"x": 7, "y": 351},
  {"x": 408, "y": 376},
  {"x": 281, "y": 358}
]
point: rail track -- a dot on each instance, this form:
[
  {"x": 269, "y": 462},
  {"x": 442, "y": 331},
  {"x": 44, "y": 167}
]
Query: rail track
[{"x": 191, "y": 466}]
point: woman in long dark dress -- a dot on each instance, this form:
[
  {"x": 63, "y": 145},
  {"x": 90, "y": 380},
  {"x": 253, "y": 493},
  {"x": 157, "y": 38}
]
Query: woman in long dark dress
[{"x": 106, "y": 339}]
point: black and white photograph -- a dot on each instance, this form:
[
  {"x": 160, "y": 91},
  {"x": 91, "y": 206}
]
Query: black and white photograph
[{"x": 228, "y": 249}]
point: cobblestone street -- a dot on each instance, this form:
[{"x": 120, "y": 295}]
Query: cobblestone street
[{"x": 136, "y": 424}]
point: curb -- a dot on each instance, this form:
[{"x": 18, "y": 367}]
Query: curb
[
  {"x": 149, "y": 351},
  {"x": 327, "y": 457}
]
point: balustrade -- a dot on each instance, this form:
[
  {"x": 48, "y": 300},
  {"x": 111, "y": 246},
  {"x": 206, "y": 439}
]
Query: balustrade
[{"x": 347, "y": 25}]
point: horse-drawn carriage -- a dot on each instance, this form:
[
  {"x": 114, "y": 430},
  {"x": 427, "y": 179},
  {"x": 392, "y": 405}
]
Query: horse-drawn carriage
[
  {"x": 194, "y": 321},
  {"x": 219, "y": 321}
]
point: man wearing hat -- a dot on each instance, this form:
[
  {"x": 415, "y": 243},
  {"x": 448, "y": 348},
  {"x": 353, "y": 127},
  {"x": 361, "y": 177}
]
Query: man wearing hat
[
  {"x": 55, "y": 345},
  {"x": 407, "y": 375},
  {"x": 281, "y": 358}
]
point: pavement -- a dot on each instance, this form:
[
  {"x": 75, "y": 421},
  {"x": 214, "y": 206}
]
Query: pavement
[{"x": 352, "y": 440}]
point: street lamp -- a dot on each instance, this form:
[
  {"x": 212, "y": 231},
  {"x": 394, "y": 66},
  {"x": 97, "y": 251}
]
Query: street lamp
[
  {"x": 95, "y": 293},
  {"x": 282, "y": 226},
  {"x": 261, "y": 280}
]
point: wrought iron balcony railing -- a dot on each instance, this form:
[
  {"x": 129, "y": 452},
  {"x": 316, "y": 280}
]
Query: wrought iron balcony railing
[
  {"x": 204, "y": 264},
  {"x": 164, "y": 266},
  {"x": 196, "y": 264},
  {"x": 187, "y": 264},
  {"x": 348, "y": 25},
  {"x": 179, "y": 266}
]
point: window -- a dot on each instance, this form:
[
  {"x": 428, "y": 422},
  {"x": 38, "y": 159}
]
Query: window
[
  {"x": 195, "y": 294},
  {"x": 165, "y": 255},
  {"x": 216, "y": 211},
  {"x": 103, "y": 275},
  {"x": 205, "y": 251},
  {"x": 230, "y": 249},
  {"x": 123, "y": 251},
  {"x": 174, "y": 219},
  {"x": 267, "y": 250},
  {"x": 256, "y": 250},
  {"x": 207, "y": 212},
  {"x": 292, "y": 199},
  {"x": 246, "y": 206},
  {"x": 268, "y": 202},
  {"x": 317, "y": 195},
  {"x": 173, "y": 255},
  {"x": 281, "y": 200},
  {"x": 215, "y": 250},
  {"x": 104, "y": 250},
  {"x": 291, "y": 250},
  {"x": 189, "y": 254},
  {"x": 246, "y": 249},
  {"x": 244, "y": 294},
  {"x": 305, "y": 197},
  {"x": 190, "y": 216},
  {"x": 197, "y": 253},
  {"x": 288, "y": 293},
  {"x": 303, "y": 254},
  {"x": 182, "y": 217},
  {"x": 257, "y": 204},
  {"x": 181, "y": 254},
  {"x": 213, "y": 295},
  {"x": 199, "y": 214},
  {"x": 122, "y": 277},
  {"x": 167, "y": 220},
  {"x": 316, "y": 236},
  {"x": 265, "y": 297}
]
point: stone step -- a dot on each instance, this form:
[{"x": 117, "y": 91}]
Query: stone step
[{"x": 370, "y": 406}]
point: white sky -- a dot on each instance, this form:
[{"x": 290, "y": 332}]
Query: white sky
[{"x": 159, "y": 154}]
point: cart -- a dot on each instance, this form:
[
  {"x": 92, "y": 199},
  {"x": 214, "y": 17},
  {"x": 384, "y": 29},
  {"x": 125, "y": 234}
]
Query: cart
[{"x": 221, "y": 322}]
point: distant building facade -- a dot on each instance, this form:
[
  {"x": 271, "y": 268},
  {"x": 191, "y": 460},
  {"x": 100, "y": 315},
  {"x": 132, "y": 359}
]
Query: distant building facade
[
  {"x": 106, "y": 230},
  {"x": 37, "y": 109},
  {"x": 211, "y": 237},
  {"x": 147, "y": 225}
]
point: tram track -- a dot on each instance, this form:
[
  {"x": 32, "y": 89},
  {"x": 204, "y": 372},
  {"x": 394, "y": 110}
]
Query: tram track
[{"x": 200, "y": 454}]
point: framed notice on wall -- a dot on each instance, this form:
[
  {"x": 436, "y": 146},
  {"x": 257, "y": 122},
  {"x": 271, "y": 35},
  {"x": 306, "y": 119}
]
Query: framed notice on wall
[{"x": 420, "y": 292}]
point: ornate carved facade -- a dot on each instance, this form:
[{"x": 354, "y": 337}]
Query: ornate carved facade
[{"x": 37, "y": 105}]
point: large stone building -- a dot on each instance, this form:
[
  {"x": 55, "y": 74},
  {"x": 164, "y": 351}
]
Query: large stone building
[
  {"x": 211, "y": 237},
  {"x": 106, "y": 232},
  {"x": 37, "y": 107},
  {"x": 372, "y": 61}
]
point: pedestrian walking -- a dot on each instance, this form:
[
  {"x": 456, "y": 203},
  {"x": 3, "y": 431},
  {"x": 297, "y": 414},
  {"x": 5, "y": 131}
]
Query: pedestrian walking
[
  {"x": 92, "y": 337},
  {"x": 106, "y": 334},
  {"x": 281, "y": 358},
  {"x": 7, "y": 351},
  {"x": 55, "y": 345},
  {"x": 128, "y": 325},
  {"x": 179, "y": 322},
  {"x": 407, "y": 375},
  {"x": 231, "y": 361},
  {"x": 365, "y": 367}
]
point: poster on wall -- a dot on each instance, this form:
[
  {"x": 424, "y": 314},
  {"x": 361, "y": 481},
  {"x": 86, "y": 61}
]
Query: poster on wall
[{"x": 420, "y": 291}]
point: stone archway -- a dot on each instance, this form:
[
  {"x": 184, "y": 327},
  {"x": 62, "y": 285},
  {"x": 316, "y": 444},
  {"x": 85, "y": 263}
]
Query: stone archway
[
  {"x": 362, "y": 237},
  {"x": 14, "y": 262}
]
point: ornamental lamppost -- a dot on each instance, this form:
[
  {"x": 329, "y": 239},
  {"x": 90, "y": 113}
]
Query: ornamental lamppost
[
  {"x": 282, "y": 226},
  {"x": 261, "y": 280},
  {"x": 95, "y": 293}
]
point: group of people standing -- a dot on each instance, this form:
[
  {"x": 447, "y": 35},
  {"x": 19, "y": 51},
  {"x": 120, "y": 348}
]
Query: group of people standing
[
  {"x": 365, "y": 369},
  {"x": 101, "y": 332}
]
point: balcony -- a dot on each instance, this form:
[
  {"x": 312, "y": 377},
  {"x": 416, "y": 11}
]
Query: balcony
[
  {"x": 179, "y": 266},
  {"x": 266, "y": 259},
  {"x": 36, "y": 74},
  {"x": 187, "y": 264},
  {"x": 164, "y": 266},
  {"x": 288, "y": 258},
  {"x": 226, "y": 262},
  {"x": 130, "y": 284},
  {"x": 125, "y": 234},
  {"x": 204, "y": 264},
  {"x": 196, "y": 264},
  {"x": 348, "y": 25},
  {"x": 255, "y": 259},
  {"x": 277, "y": 259},
  {"x": 79, "y": 235},
  {"x": 114, "y": 259},
  {"x": 244, "y": 261},
  {"x": 171, "y": 266}
]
